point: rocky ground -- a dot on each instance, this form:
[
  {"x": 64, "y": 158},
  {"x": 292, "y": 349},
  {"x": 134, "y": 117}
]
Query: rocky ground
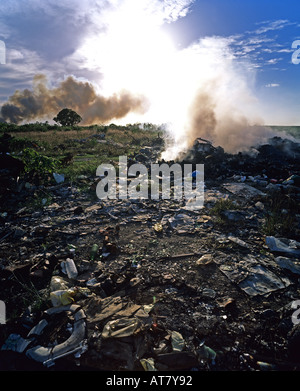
[{"x": 168, "y": 288}]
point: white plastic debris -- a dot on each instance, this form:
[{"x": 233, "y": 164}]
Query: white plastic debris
[
  {"x": 283, "y": 245},
  {"x": 59, "y": 178}
]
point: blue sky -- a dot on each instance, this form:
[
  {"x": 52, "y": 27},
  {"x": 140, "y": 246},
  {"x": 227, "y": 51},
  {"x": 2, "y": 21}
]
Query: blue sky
[
  {"x": 80, "y": 38},
  {"x": 263, "y": 32}
]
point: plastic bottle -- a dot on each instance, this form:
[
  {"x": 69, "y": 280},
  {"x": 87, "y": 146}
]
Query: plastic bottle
[
  {"x": 94, "y": 251},
  {"x": 71, "y": 268}
]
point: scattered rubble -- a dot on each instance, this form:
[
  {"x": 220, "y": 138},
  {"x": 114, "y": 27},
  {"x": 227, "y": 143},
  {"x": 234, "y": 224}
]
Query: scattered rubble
[{"x": 147, "y": 284}]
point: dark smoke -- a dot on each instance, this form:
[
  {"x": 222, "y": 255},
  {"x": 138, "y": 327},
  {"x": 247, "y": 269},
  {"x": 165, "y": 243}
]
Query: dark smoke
[{"x": 44, "y": 103}]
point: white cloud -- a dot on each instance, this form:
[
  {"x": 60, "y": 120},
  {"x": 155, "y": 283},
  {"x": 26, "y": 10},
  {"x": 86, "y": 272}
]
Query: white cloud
[
  {"x": 273, "y": 25},
  {"x": 285, "y": 50},
  {"x": 273, "y": 61},
  {"x": 264, "y": 46}
]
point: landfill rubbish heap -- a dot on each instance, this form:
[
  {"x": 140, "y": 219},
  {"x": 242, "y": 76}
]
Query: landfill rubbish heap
[{"x": 150, "y": 285}]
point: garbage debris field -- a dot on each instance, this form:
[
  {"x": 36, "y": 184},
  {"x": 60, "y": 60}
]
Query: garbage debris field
[{"x": 149, "y": 285}]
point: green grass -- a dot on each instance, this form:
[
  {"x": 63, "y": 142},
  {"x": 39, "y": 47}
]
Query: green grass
[
  {"x": 278, "y": 223},
  {"x": 220, "y": 207},
  {"x": 88, "y": 150},
  {"x": 280, "y": 217},
  {"x": 80, "y": 167}
]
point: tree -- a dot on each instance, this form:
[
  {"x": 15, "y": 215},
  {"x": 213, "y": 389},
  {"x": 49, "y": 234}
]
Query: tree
[{"x": 67, "y": 117}]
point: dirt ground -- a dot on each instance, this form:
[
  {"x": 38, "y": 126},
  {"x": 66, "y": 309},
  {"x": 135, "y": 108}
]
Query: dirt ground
[{"x": 201, "y": 291}]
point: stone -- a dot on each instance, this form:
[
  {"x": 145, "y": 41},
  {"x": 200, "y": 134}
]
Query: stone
[
  {"x": 209, "y": 293},
  {"x": 204, "y": 260},
  {"x": 243, "y": 190}
]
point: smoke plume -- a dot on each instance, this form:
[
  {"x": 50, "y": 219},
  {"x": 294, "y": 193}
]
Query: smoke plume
[
  {"x": 224, "y": 126},
  {"x": 43, "y": 103},
  {"x": 220, "y": 104}
]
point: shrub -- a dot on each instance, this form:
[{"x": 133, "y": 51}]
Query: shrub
[{"x": 36, "y": 163}]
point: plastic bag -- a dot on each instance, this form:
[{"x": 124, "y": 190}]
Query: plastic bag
[{"x": 62, "y": 297}]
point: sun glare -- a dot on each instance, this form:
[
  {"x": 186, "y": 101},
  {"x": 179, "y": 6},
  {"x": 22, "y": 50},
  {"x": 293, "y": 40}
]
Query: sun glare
[{"x": 135, "y": 54}]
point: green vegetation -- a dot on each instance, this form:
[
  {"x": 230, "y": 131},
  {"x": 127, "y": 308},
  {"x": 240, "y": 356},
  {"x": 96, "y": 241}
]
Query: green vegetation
[
  {"x": 32, "y": 296},
  {"x": 45, "y": 127},
  {"x": 220, "y": 207},
  {"x": 280, "y": 217},
  {"x": 74, "y": 150},
  {"x": 37, "y": 163}
]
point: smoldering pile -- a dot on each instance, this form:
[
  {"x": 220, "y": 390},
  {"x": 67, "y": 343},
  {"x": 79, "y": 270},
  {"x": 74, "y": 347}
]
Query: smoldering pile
[{"x": 277, "y": 159}]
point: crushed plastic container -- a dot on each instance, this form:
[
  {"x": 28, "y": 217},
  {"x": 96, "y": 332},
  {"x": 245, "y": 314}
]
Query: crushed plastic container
[
  {"x": 148, "y": 364},
  {"x": 283, "y": 245},
  {"x": 71, "y": 268},
  {"x": 123, "y": 327},
  {"x": 178, "y": 342},
  {"x": 62, "y": 297}
]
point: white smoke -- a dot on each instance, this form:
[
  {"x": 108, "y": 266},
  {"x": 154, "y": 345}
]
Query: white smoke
[
  {"x": 200, "y": 91},
  {"x": 218, "y": 102}
]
